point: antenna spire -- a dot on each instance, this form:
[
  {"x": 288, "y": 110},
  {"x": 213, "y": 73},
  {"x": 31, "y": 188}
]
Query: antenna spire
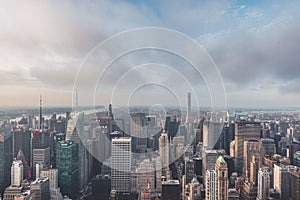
[{"x": 41, "y": 120}]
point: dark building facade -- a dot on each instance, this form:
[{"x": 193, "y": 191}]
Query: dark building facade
[
  {"x": 6, "y": 160},
  {"x": 170, "y": 190},
  {"x": 68, "y": 168}
]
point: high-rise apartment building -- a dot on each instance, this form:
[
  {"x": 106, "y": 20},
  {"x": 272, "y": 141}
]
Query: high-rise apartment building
[
  {"x": 244, "y": 131},
  {"x": 121, "y": 164}
]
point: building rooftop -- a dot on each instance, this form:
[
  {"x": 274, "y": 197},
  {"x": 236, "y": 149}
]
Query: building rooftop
[
  {"x": 171, "y": 182},
  {"x": 221, "y": 159},
  {"x": 194, "y": 180}
]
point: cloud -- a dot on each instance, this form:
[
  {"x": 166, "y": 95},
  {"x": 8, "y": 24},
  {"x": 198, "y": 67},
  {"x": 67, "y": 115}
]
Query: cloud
[{"x": 44, "y": 43}]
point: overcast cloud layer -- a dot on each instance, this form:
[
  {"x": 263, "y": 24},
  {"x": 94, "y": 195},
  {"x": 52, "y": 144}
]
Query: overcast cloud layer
[{"x": 255, "y": 45}]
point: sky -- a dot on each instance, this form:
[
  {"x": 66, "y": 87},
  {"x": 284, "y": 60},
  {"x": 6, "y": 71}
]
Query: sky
[{"x": 254, "y": 44}]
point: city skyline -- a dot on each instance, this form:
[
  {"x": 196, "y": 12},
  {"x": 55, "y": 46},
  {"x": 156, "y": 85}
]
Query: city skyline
[{"x": 44, "y": 44}]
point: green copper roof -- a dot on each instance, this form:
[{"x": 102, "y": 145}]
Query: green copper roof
[
  {"x": 194, "y": 180},
  {"x": 221, "y": 159}
]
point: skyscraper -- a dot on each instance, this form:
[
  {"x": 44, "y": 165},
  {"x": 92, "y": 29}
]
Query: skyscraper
[
  {"x": 263, "y": 183},
  {"x": 170, "y": 190},
  {"x": 189, "y": 170},
  {"x": 295, "y": 182},
  {"x": 21, "y": 141},
  {"x": 209, "y": 160},
  {"x": 121, "y": 164},
  {"x": 40, "y": 148},
  {"x": 5, "y": 160},
  {"x": 194, "y": 190},
  {"x": 189, "y": 109},
  {"x": 252, "y": 148},
  {"x": 76, "y": 133},
  {"x": 222, "y": 178},
  {"x": 138, "y": 131},
  {"x": 269, "y": 146},
  {"x": 164, "y": 152},
  {"x": 282, "y": 180},
  {"x": 211, "y": 133},
  {"x": 145, "y": 175},
  {"x": 211, "y": 190},
  {"x": 16, "y": 173},
  {"x": 67, "y": 165},
  {"x": 39, "y": 189},
  {"x": 244, "y": 131}
]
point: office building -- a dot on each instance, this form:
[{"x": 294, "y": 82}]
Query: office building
[
  {"x": 189, "y": 170},
  {"x": 121, "y": 164},
  {"x": 293, "y": 148},
  {"x": 233, "y": 194},
  {"x": 138, "y": 131},
  {"x": 209, "y": 160},
  {"x": 282, "y": 180},
  {"x": 39, "y": 189},
  {"x": 211, "y": 189},
  {"x": 170, "y": 190},
  {"x": 5, "y": 160},
  {"x": 11, "y": 192},
  {"x": 21, "y": 141},
  {"x": 244, "y": 131},
  {"x": 263, "y": 183},
  {"x": 268, "y": 146},
  {"x": 249, "y": 191},
  {"x": 52, "y": 175},
  {"x": 297, "y": 158},
  {"x": 194, "y": 190},
  {"x": 164, "y": 152},
  {"x": 295, "y": 183},
  {"x": 24, "y": 196},
  {"x": 189, "y": 108},
  {"x": 145, "y": 175},
  {"x": 40, "y": 156},
  {"x": 21, "y": 157},
  {"x": 252, "y": 148},
  {"x": 67, "y": 165},
  {"x": 211, "y": 133},
  {"x": 40, "y": 149},
  {"x": 16, "y": 173},
  {"x": 75, "y": 131},
  {"x": 222, "y": 178}
]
